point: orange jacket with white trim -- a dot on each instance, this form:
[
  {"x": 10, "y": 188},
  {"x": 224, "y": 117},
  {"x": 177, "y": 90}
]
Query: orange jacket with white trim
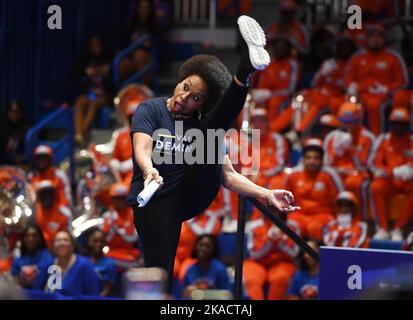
[
  {"x": 315, "y": 193},
  {"x": 119, "y": 229},
  {"x": 52, "y": 220},
  {"x": 281, "y": 77},
  {"x": 355, "y": 157},
  {"x": 331, "y": 81},
  {"x": 354, "y": 235},
  {"x": 59, "y": 179},
  {"x": 268, "y": 248},
  {"x": 385, "y": 67},
  {"x": 389, "y": 152},
  {"x": 273, "y": 154}
]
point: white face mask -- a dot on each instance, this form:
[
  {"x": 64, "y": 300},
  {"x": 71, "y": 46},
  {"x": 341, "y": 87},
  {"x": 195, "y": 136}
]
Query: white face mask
[{"x": 344, "y": 219}]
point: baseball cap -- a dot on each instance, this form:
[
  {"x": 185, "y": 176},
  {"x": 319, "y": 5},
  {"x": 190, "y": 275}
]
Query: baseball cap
[
  {"x": 45, "y": 184},
  {"x": 43, "y": 150},
  {"x": 329, "y": 120},
  {"x": 313, "y": 144},
  {"x": 347, "y": 196},
  {"x": 131, "y": 106},
  {"x": 119, "y": 189},
  {"x": 350, "y": 112},
  {"x": 400, "y": 115}
]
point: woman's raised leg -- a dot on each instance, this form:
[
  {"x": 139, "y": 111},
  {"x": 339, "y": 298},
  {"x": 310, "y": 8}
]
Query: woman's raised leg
[{"x": 253, "y": 57}]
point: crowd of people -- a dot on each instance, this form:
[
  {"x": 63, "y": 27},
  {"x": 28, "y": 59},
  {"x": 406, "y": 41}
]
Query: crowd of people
[{"x": 353, "y": 179}]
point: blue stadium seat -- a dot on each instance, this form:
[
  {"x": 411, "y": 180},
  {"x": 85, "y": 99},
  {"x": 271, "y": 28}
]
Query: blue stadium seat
[
  {"x": 295, "y": 156},
  {"x": 227, "y": 243}
]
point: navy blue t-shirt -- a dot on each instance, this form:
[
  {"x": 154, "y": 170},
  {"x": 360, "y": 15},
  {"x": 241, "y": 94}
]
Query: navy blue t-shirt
[{"x": 169, "y": 144}]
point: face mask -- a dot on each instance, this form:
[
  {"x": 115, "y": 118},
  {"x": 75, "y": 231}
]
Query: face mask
[{"x": 344, "y": 219}]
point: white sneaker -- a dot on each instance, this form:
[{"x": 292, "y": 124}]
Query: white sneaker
[
  {"x": 381, "y": 234},
  {"x": 396, "y": 235},
  {"x": 254, "y": 37}
]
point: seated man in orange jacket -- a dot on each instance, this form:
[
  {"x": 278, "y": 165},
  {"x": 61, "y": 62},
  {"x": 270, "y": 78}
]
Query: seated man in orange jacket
[
  {"x": 44, "y": 170},
  {"x": 273, "y": 150},
  {"x": 347, "y": 150},
  {"x": 327, "y": 123},
  {"x": 51, "y": 213},
  {"x": 374, "y": 75},
  {"x": 326, "y": 94},
  {"x": 392, "y": 166},
  {"x": 346, "y": 230},
  {"x": 121, "y": 235},
  {"x": 271, "y": 258},
  {"x": 289, "y": 24},
  {"x": 315, "y": 188},
  {"x": 278, "y": 82},
  {"x": 121, "y": 161}
]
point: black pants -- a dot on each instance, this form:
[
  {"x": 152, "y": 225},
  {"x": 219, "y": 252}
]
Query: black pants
[
  {"x": 159, "y": 227},
  {"x": 159, "y": 222}
]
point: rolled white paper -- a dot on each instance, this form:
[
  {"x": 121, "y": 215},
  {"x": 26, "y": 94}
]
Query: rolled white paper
[{"x": 147, "y": 193}]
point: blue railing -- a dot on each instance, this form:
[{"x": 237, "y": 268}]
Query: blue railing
[
  {"x": 61, "y": 118},
  {"x": 137, "y": 77}
]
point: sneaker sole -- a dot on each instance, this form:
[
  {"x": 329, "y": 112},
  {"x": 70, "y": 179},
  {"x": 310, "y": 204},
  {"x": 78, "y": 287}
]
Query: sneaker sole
[{"x": 254, "y": 37}]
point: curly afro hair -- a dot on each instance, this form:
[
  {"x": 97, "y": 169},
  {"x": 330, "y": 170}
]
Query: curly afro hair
[{"x": 213, "y": 72}]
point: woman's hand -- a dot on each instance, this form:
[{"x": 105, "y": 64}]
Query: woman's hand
[
  {"x": 188, "y": 290},
  {"x": 283, "y": 200},
  {"x": 151, "y": 174}
]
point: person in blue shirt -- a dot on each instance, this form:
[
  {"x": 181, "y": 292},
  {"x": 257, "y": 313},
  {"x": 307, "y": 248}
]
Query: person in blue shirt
[
  {"x": 34, "y": 258},
  {"x": 304, "y": 282},
  {"x": 70, "y": 274},
  {"x": 105, "y": 267},
  {"x": 207, "y": 272}
]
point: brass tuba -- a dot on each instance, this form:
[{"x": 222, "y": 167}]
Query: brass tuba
[{"x": 17, "y": 198}]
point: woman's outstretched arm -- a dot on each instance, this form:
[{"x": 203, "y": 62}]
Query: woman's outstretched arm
[
  {"x": 283, "y": 200},
  {"x": 142, "y": 146}
]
